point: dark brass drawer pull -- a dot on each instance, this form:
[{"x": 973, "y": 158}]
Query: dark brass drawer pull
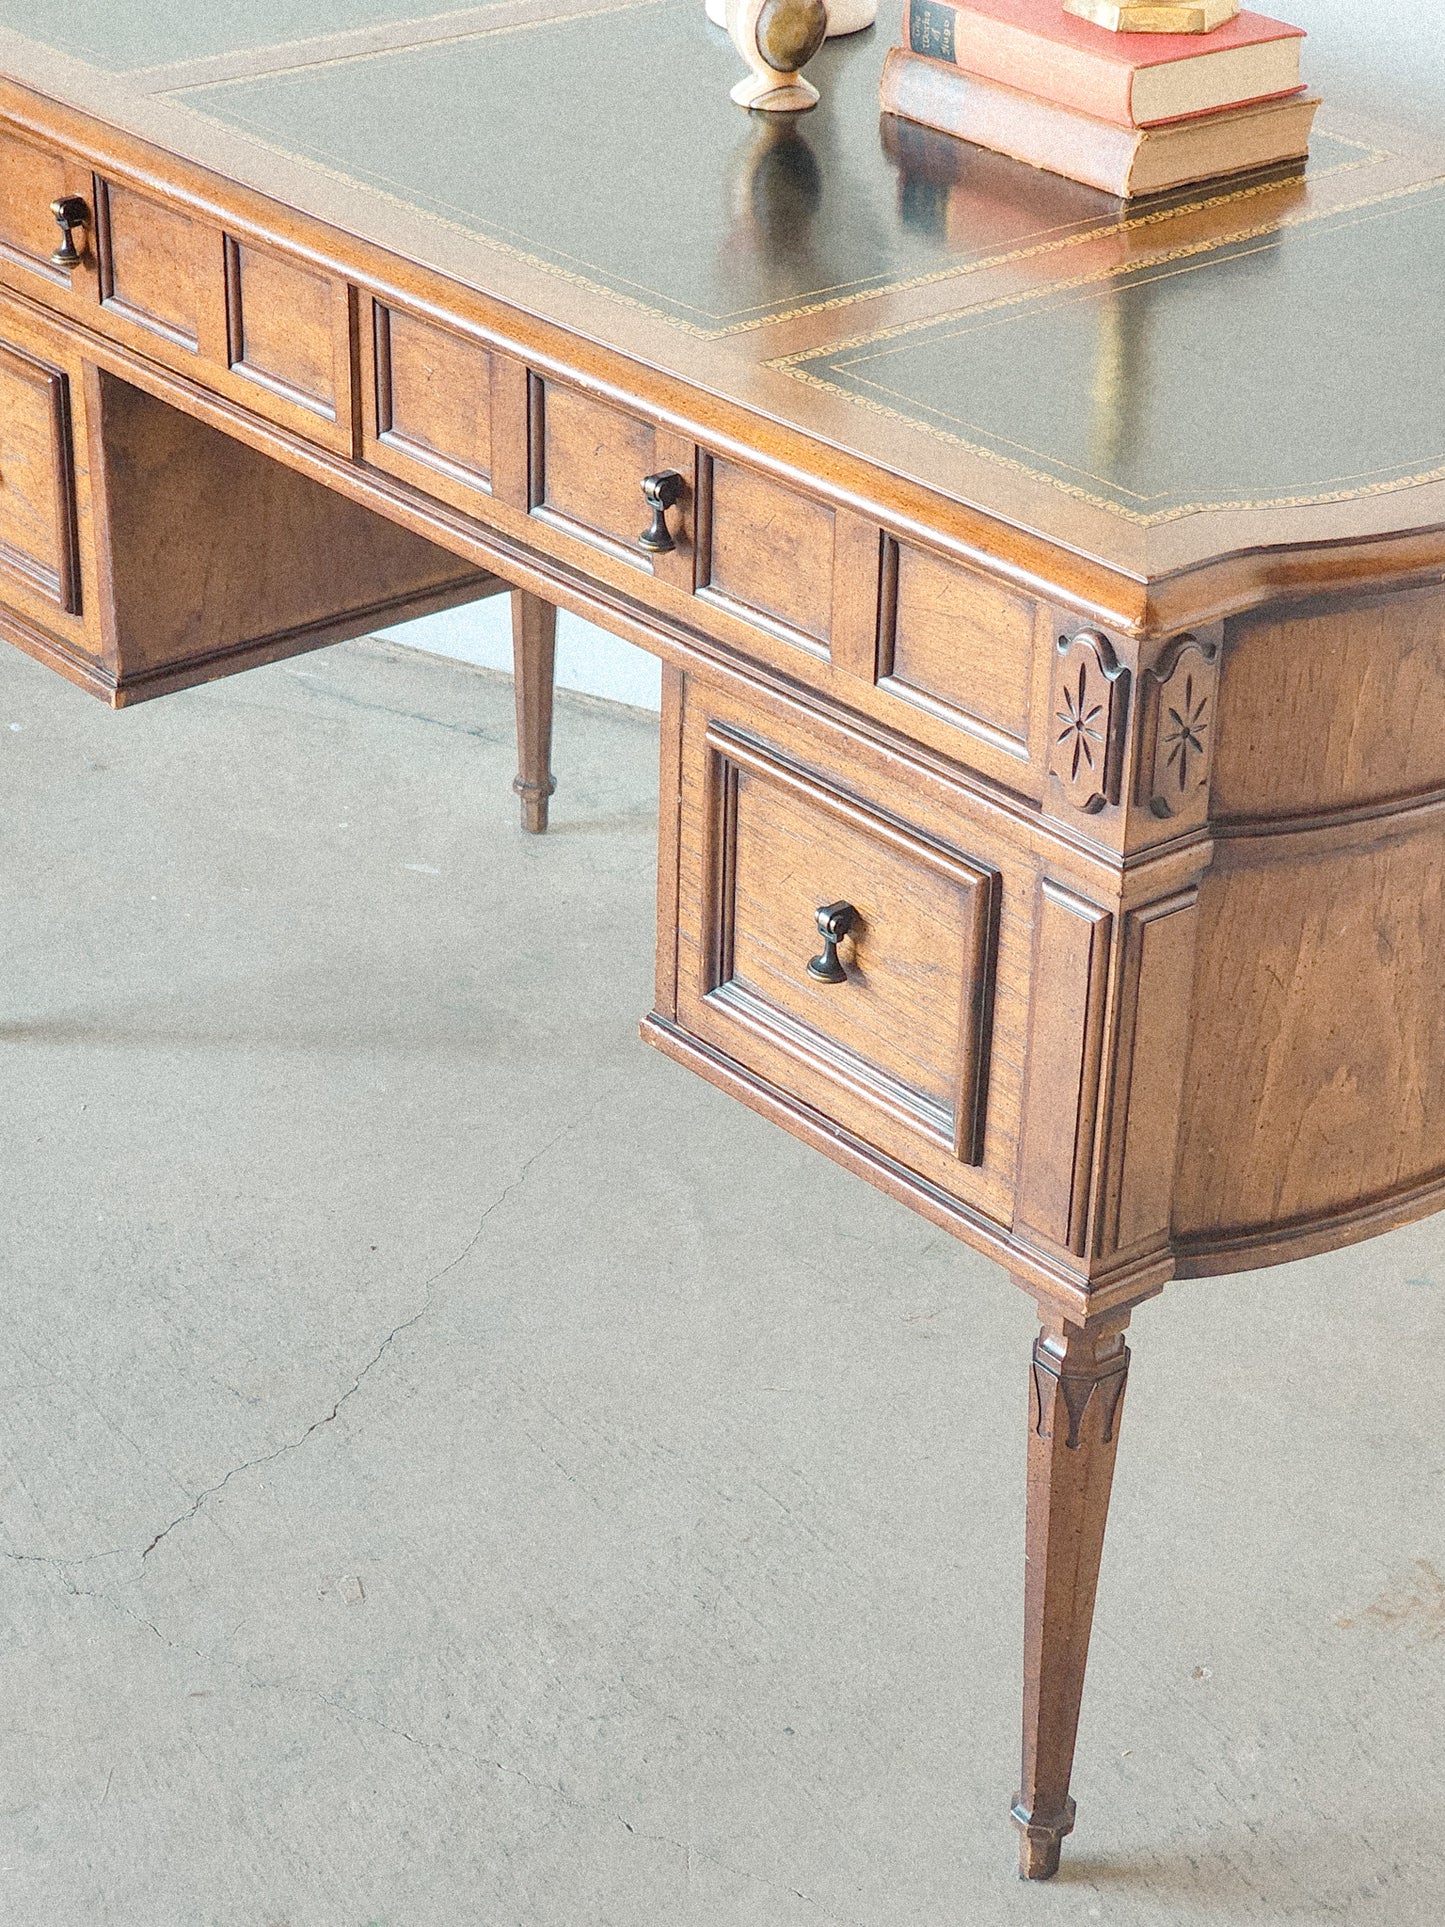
[
  {"x": 661, "y": 492},
  {"x": 835, "y": 920},
  {"x": 70, "y": 213}
]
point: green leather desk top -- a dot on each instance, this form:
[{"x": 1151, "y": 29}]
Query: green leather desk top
[
  {"x": 1165, "y": 389},
  {"x": 666, "y": 195},
  {"x": 1008, "y": 338}
]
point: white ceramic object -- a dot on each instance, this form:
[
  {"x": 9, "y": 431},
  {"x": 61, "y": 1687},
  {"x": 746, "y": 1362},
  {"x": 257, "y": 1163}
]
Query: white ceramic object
[
  {"x": 844, "y": 16},
  {"x": 768, "y": 88}
]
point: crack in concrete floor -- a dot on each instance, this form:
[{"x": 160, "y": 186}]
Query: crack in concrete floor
[{"x": 429, "y": 1290}]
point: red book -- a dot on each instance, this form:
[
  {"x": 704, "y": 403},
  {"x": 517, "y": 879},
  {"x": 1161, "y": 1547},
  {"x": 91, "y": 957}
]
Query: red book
[{"x": 1132, "y": 79}]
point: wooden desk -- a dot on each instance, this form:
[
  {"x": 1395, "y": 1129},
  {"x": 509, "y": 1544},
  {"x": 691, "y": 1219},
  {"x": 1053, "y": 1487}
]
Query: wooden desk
[{"x": 1051, "y": 593}]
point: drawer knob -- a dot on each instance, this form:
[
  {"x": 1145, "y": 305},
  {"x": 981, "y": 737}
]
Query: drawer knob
[
  {"x": 70, "y": 213},
  {"x": 661, "y": 492},
  {"x": 835, "y": 920}
]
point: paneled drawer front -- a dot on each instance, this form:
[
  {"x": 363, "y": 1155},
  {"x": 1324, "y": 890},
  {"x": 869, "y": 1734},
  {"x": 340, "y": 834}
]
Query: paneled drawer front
[
  {"x": 288, "y": 329},
  {"x": 31, "y": 178},
  {"x": 39, "y": 534},
  {"x": 47, "y": 576},
  {"x": 158, "y": 266},
  {"x": 904, "y": 1019},
  {"x": 588, "y": 463},
  {"x": 431, "y": 406},
  {"x": 767, "y": 553},
  {"x": 967, "y": 649},
  {"x": 906, "y": 1030},
  {"x": 266, "y": 328}
]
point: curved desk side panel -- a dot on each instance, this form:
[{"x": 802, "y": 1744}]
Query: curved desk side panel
[{"x": 1322, "y": 924}]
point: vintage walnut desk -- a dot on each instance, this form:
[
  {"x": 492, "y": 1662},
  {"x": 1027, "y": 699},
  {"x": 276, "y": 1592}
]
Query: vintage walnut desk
[{"x": 1052, "y": 596}]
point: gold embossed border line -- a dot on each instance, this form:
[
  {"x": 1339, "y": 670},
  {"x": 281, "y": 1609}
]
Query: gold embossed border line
[
  {"x": 1300, "y": 363},
  {"x": 760, "y": 225}
]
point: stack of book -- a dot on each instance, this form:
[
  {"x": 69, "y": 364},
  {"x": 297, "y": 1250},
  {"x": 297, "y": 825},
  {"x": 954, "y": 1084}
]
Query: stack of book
[{"x": 1130, "y": 113}]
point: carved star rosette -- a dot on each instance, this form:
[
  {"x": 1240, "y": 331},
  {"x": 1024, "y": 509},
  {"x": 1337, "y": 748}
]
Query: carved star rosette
[
  {"x": 1089, "y": 715},
  {"x": 1182, "y": 685}
]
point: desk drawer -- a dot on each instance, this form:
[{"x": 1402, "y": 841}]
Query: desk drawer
[
  {"x": 256, "y": 321},
  {"x": 750, "y": 546},
  {"x": 429, "y": 412},
  {"x": 32, "y": 176},
  {"x": 158, "y": 269},
  {"x": 812, "y": 586},
  {"x": 46, "y": 560},
  {"x": 905, "y": 1029},
  {"x": 969, "y": 651},
  {"x": 770, "y": 554},
  {"x": 588, "y": 462},
  {"x": 288, "y": 333}
]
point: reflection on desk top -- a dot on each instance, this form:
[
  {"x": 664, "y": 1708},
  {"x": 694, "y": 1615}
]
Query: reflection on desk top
[
  {"x": 1259, "y": 360},
  {"x": 677, "y": 201}
]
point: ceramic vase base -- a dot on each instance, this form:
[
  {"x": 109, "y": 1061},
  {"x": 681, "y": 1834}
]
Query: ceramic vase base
[{"x": 788, "y": 94}]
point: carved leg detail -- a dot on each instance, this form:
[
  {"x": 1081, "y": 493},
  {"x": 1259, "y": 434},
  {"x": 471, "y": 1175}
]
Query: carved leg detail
[
  {"x": 534, "y": 649},
  {"x": 1076, "y": 1398}
]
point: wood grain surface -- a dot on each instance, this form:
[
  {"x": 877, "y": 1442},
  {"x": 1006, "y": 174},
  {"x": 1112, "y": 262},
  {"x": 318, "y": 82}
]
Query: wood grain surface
[
  {"x": 1333, "y": 706},
  {"x": 1317, "y": 1059},
  {"x": 181, "y": 511},
  {"x": 39, "y": 536},
  {"x": 157, "y": 265},
  {"x": 366, "y": 157},
  {"x": 432, "y": 397},
  {"x": 1098, "y": 681}
]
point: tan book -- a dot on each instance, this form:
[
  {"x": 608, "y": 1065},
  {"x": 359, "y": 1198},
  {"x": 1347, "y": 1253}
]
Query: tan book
[{"x": 1125, "y": 161}]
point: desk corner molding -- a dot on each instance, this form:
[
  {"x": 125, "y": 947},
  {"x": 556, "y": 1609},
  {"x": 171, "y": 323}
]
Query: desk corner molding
[
  {"x": 1089, "y": 707},
  {"x": 1180, "y": 692}
]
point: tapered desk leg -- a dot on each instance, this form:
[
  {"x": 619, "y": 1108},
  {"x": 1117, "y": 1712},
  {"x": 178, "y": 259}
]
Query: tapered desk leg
[
  {"x": 534, "y": 650},
  {"x": 1076, "y": 1397}
]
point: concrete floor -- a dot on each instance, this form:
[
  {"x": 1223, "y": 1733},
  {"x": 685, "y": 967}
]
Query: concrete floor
[{"x": 455, "y": 1467}]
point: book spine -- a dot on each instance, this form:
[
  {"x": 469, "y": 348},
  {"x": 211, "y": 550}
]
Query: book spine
[
  {"x": 1098, "y": 153},
  {"x": 1013, "y": 57},
  {"x": 1193, "y": 150}
]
